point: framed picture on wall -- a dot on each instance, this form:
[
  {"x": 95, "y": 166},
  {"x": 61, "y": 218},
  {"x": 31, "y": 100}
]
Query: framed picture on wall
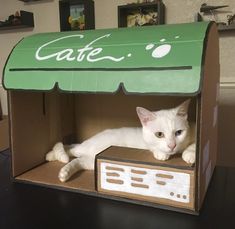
[
  {"x": 76, "y": 15},
  {"x": 141, "y": 14}
]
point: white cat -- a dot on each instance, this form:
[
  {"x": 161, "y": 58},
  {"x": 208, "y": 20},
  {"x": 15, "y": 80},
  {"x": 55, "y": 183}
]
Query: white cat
[{"x": 164, "y": 133}]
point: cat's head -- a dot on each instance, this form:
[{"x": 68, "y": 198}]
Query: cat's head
[{"x": 165, "y": 131}]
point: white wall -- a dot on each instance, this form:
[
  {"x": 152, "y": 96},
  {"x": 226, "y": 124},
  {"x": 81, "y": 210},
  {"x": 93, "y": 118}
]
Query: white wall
[{"x": 46, "y": 17}]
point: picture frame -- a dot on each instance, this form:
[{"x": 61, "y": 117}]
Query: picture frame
[
  {"x": 141, "y": 14},
  {"x": 76, "y": 15}
]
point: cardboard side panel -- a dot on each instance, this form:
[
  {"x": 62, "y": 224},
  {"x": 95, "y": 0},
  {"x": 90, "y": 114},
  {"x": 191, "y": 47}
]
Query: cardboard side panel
[
  {"x": 0, "y": 111},
  {"x": 38, "y": 121},
  {"x": 4, "y": 134},
  {"x": 29, "y": 130},
  {"x": 209, "y": 112}
]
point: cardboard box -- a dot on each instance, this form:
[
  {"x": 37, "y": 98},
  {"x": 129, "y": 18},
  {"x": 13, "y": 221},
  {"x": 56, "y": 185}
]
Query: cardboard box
[
  {"x": 4, "y": 133},
  {"x": 107, "y": 74},
  {"x": 136, "y": 174}
]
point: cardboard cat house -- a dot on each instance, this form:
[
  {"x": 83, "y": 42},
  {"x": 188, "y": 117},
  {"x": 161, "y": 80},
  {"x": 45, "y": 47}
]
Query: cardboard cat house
[{"x": 69, "y": 86}]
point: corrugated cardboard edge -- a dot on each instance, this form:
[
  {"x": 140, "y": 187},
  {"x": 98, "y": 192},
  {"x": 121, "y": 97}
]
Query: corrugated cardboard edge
[
  {"x": 4, "y": 133},
  {"x": 210, "y": 70},
  {"x": 0, "y": 110}
]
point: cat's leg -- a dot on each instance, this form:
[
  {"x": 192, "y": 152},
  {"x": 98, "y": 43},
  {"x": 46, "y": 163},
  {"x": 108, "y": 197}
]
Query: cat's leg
[
  {"x": 126, "y": 137},
  {"x": 95, "y": 144},
  {"x": 85, "y": 162},
  {"x": 86, "y": 152},
  {"x": 58, "y": 153},
  {"x": 189, "y": 154}
]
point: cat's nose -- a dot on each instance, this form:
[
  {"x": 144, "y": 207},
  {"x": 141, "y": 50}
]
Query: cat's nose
[{"x": 172, "y": 145}]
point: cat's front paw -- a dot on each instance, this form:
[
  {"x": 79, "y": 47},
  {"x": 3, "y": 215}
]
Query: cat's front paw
[
  {"x": 64, "y": 174},
  {"x": 57, "y": 154},
  {"x": 189, "y": 154},
  {"x": 50, "y": 156},
  {"x": 189, "y": 157},
  {"x": 161, "y": 156}
]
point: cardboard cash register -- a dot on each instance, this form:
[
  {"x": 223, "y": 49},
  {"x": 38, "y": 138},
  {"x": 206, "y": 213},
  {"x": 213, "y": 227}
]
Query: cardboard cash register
[{"x": 69, "y": 86}]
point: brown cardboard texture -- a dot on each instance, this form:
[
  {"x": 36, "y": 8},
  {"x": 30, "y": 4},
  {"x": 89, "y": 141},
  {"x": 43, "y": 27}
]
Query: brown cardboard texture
[
  {"x": 136, "y": 174},
  {"x": 39, "y": 119},
  {"x": 4, "y": 133},
  {"x": 0, "y": 110},
  {"x": 208, "y": 115}
]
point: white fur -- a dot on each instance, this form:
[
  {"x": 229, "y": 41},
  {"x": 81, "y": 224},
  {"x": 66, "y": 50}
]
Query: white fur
[{"x": 165, "y": 121}]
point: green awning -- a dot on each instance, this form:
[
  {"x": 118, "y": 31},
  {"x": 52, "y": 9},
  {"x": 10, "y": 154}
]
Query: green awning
[{"x": 153, "y": 59}]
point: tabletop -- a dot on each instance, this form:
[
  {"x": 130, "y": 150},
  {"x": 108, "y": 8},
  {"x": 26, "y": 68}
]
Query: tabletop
[{"x": 29, "y": 206}]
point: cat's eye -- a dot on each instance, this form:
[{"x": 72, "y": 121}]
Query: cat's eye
[
  {"x": 159, "y": 134},
  {"x": 178, "y": 132}
]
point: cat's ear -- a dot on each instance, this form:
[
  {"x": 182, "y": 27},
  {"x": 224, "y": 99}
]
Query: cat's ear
[
  {"x": 182, "y": 109},
  {"x": 145, "y": 115}
]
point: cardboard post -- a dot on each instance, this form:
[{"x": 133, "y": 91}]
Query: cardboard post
[
  {"x": 0, "y": 110},
  {"x": 4, "y": 134}
]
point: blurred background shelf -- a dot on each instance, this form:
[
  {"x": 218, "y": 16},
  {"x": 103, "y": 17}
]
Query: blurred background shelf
[
  {"x": 26, "y": 21},
  {"x": 226, "y": 27},
  {"x": 30, "y": 0}
]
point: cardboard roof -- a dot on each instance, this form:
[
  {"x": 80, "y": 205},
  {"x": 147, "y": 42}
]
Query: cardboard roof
[{"x": 154, "y": 59}]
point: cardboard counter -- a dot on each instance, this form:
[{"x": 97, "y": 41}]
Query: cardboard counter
[
  {"x": 136, "y": 174},
  {"x": 71, "y": 85}
]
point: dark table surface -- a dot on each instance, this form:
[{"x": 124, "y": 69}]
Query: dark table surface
[{"x": 28, "y": 206}]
